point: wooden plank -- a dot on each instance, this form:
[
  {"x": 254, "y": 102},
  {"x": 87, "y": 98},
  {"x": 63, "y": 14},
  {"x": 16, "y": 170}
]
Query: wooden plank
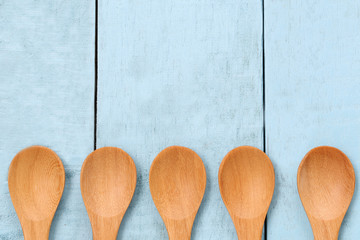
[
  {"x": 47, "y": 98},
  {"x": 179, "y": 73},
  {"x": 312, "y": 98}
]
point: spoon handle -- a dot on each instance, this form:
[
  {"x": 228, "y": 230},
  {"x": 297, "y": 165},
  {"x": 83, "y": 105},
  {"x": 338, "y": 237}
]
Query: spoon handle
[
  {"x": 325, "y": 235},
  {"x": 179, "y": 229},
  {"x": 105, "y": 228},
  {"x": 326, "y": 229},
  {"x": 249, "y": 229},
  {"x": 36, "y": 230}
]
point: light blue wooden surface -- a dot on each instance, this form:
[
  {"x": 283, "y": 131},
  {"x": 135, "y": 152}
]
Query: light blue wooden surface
[
  {"x": 179, "y": 73},
  {"x": 47, "y": 98},
  {"x": 186, "y": 73},
  {"x": 312, "y": 53}
]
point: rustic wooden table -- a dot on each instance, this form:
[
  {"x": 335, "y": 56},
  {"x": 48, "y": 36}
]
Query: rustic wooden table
[{"x": 171, "y": 72}]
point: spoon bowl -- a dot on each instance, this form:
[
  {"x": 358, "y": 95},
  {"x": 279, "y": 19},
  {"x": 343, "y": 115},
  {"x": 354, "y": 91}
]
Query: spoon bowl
[
  {"x": 326, "y": 184},
  {"x": 107, "y": 181},
  {"x": 36, "y": 183},
  {"x": 247, "y": 182},
  {"x": 177, "y": 184}
]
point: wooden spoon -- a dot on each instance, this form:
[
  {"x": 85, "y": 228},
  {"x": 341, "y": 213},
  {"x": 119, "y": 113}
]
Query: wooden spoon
[
  {"x": 107, "y": 181},
  {"x": 247, "y": 182},
  {"x": 36, "y": 182},
  {"x": 326, "y": 183},
  {"x": 177, "y": 185}
]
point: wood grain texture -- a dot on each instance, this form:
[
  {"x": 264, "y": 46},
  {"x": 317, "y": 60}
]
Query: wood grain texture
[
  {"x": 326, "y": 184},
  {"x": 312, "y": 56},
  {"x": 246, "y": 183},
  {"x": 185, "y": 73},
  {"x": 177, "y": 181},
  {"x": 108, "y": 181},
  {"x": 36, "y": 182},
  {"x": 47, "y": 98}
]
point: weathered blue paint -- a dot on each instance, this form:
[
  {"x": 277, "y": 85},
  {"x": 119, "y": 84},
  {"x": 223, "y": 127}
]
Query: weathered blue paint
[
  {"x": 179, "y": 73},
  {"x": 186, "y": 73},
  {"x": 312, "y": 53},
  {"x": 47, "y": 98}
]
